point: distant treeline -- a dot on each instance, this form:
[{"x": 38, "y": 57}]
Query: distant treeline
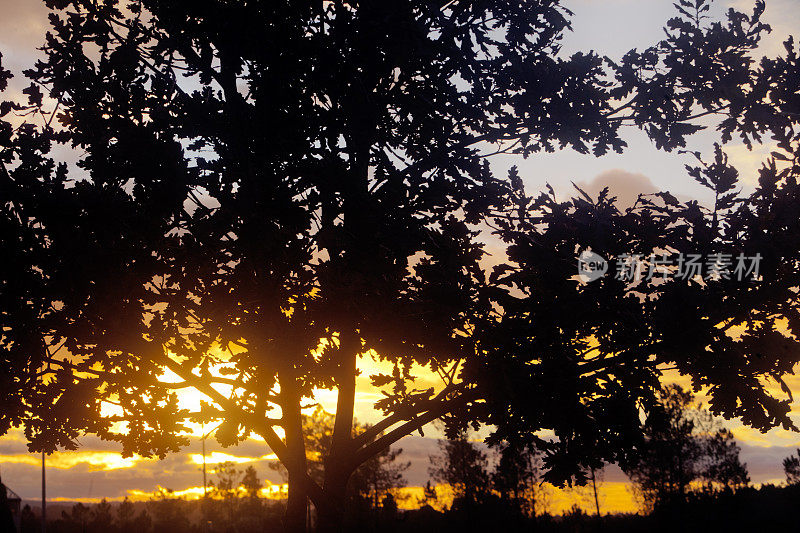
[
  {"x": 686, "y": 476},
  {"x": 769, "y": 508}
]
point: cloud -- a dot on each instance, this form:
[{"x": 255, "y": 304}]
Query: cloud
[
  {"x": 221, "y": 457},
  {"x": 22, "y": 30},
  {"x": 67, "y": 460},
  {"x": 765, "y": 463},
  {"x": 782, "y": 15},
  {"x": 748, "y": 161},
  {"x": 75, "y": 476},
  {"x": 626, "y": 186},
  {"x": 98, "y": 469}
]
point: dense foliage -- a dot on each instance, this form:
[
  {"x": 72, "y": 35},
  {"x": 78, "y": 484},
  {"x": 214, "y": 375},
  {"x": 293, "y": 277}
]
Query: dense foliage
[{"x": 267, "y": 192}]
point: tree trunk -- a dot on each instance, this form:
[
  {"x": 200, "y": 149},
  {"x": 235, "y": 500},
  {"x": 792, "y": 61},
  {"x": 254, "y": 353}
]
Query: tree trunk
[
  {"x": 330, "y": 519},
  {"x": 337, "y": 471},
  {"x": 294, "y": 521}
]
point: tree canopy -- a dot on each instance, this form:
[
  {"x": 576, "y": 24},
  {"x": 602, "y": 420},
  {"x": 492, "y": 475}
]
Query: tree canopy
[
  {"x": 267, "y": 192},
  {"x": 598, "y": 350}
]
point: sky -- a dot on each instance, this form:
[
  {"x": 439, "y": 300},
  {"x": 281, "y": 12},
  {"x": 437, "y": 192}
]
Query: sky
[{"x": 609, "y": 27}]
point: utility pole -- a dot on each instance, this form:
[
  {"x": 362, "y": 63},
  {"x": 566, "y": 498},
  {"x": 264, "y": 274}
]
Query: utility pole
[
  {"x": 203, "y": 439},
  {"x": 205, "y": 490},
  {"x": 204, "y": 505},
  {"x": 594, "y": 487},
  {"x": 205, "y": 482},
  {"x": 44, "y": 497}
]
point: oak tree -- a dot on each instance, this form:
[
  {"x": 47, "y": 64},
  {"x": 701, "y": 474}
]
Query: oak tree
[{"x": 268, "y": 192}]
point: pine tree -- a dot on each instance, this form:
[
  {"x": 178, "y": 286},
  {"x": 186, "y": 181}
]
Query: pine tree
[
  {"x": 463, "y": 467},
  {"x": 791, "y": 467},
  {"x": 683, "y": 450},
  {"x": 516, "y": 477}
]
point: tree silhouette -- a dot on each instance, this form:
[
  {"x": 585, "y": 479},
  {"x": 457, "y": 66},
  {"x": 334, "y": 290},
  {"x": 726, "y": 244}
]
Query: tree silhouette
[
  {"x": 250, "y": 482},
  {"x": 583, "y": 358},
  {"x": 682, "y": 448},
  {"x": 101, "y": 517},
  {"x": 234, "y": 499},
  {"x": 169, "y": 513},
  {"x": 127, "y": 520},
  {"x": 722, "y": 468},
  {"x": 268, "y": 192},
  {"x": 791, "y": 467},
  {"x": 76, "y": 520},
  {"x": 429, "y": 496},
  {"x": 664, "y": 467},
  {"x": 374, "y": 480},
  {"x": 371, "y": 481},
  {"x": 29, "y": 521},
  {"x": 227, "y": 492},
  {"x": 464, "y": 468},
  {"x": 516, "y": 476}
]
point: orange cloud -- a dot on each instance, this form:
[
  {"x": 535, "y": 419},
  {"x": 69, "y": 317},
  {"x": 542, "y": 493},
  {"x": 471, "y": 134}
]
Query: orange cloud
[
  {"x": 220, "y": 457},
  {"x": 66, "y": 460}
]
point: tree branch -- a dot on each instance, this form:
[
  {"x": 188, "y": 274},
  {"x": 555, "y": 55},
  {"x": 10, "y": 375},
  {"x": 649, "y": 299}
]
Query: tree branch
[
  {"x": 412, "y": 425},
  {"x": 259, "y": 425},
  {"x": 403, "y": 414}
]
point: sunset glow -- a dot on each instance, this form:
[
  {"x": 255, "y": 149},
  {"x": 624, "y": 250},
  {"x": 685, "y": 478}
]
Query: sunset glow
[
  {"x": 220, "y": 457},
  {"x": 66, "y": 460},
  {"x": 321, "y": 267}
]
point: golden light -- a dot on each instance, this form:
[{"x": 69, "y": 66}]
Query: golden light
[
  {"x": 66, "y": 460},
  {"x": 220, "y": 457},
  {"x": 271, "y": 491}
]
